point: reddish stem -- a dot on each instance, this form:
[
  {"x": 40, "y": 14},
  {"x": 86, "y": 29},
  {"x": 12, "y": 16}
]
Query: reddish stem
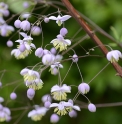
[{"x": 90, "y": 32}]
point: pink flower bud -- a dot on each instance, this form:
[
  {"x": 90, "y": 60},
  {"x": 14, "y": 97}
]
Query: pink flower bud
[
  {"x": 92, "y": 107},
  {"x": 30, "y": 93},
  {"x": 17, "y": 23},
  {"x": 83, "y": 88},
  {"x": 54, "y": 118},
  {"x": 63, "y": 31},
  {"x": 25, "y": 25},
  {"x": 9, "y": 43},
  {"x": 13, "y": 96}
]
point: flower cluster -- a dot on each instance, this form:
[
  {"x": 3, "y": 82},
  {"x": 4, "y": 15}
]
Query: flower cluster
[
  {"x": 5, "y": 113},
  {"x": 5, "y": 29}
]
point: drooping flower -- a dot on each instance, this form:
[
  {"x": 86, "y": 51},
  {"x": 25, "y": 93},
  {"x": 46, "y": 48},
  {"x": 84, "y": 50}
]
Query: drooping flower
[
  {"x": 32, "y": 79},
  {"x": 37, "y": 113},
  {"x": 59, "y": 92},
  {"x": 60, "y": 19},
  {"x": 114, "y": 55},
  {"x": 62, "y": 108},
  {"x": 60, "y": 43},
  {"x": 83, "y": 88},
  {"x": 5, "y": 114}
]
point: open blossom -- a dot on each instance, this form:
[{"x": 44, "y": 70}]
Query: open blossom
[
  {"x": 60, "y": 19},
  {"x": 60, "y": 43},
  {"x": 114, "y": 55},
  {"x": 59, "y": 92},
  {"x": 32, "y": 79},
  {"x": 37, "y": 113},
  {"x": 62, "y": 108}
]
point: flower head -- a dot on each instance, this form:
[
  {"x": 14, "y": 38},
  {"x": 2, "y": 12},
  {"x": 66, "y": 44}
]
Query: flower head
[
  {"x": 114, "y": 55},
  {"x": 37, "y": 113},
  {"x": 60, "y": 43},
  {"x": 60, "y": 19},
  {"x": 62, "y": 108},
  {"x": 32, "y": 79},
  {"x": 59, "y": 92}
]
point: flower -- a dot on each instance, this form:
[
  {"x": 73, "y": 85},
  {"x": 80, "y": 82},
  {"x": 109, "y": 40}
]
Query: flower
[
  {"x": 59, "y": 92},
  {"x": 48, "y": 59},
  {"x": 32, "y": 79},
  {"x": 4, "y": 114},
  {"x": 46, "y": 97},
  {"x": 62, "y": 108},
  {"x": 9, "y": 43},
  {"x": 73, "y": 114},
  {"x": 92, "y": 107},
  {"x": 37, "y": 113},
  {"x": 60, "y": 43},
  {"x": 39, "y": 52},
  {"x": 84, "y": 88},
  {"x": 114, "y": 55},
  {"x": 60, "y": 19}
]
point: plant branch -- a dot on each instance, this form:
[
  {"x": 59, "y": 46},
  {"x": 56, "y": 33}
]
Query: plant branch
[{"x": 90, "y": 32}]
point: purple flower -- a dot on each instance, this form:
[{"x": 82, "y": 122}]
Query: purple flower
[
  {"x": 92, "y": 107},
  {"x": 39, "y": 52}
]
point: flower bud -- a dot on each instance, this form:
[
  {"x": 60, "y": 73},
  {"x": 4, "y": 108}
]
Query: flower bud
[
  {"x": 26, "y": 4},
  {"x": 25, "y": 25},
  {"x": 92, "y": 107},
  {"x": 1, "y": 107},
  {"x": 9, "y": 43},
  {"x": 83, "y": 88},
  {"x": 46, "y": 20},
  {"x": 0, "y": 84},
  {"x": 30, "y": 93},
  {"x": 13, "y": 96},
  {"x": 63, "y": 31},
  {"x": 73, "y": 114},
  {"x": 17, "y": 23},
  {"x": 1, "y": 99},
  {"x": 46, "y": 97},
  {"x": 47, "y": 104},
  {"x": 75, "y": 58},
  {"x": 6, "y": 13},
  {"x": 39, "y": 52},
  {"x": 35, "y": 30},
  {"x": 53, "y": 51},
  {"x": 54, "y": 118}
]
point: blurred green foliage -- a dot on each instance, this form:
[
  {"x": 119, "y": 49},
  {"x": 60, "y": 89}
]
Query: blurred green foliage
[{"x": 105, "y": 88}]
